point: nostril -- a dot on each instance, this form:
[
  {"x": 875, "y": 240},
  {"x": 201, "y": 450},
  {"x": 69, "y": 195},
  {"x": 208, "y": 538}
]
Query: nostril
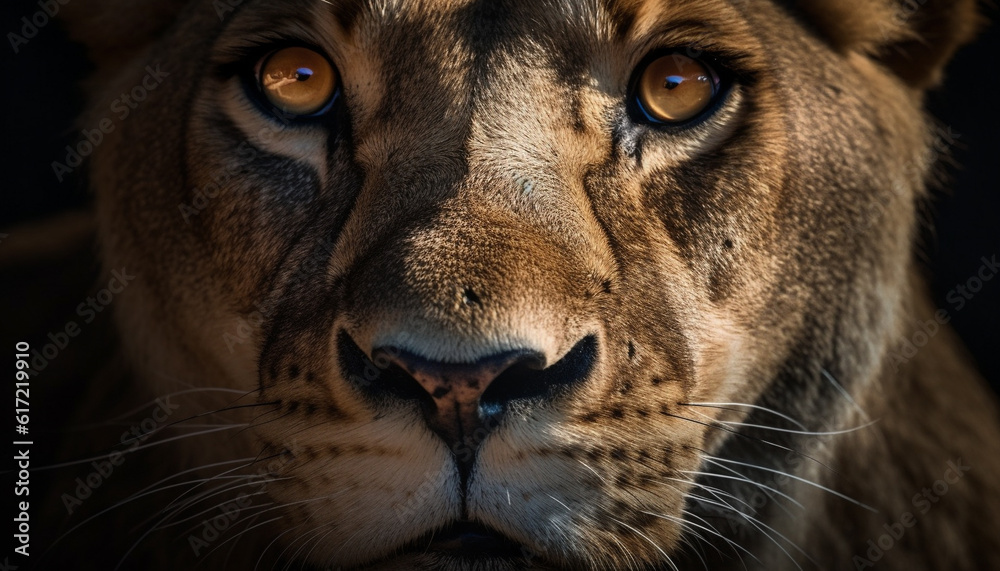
[
  {"x": 470, "y": 297},
  {"x": 524, "y": 382},
  {"x": 379, "y": 378}
]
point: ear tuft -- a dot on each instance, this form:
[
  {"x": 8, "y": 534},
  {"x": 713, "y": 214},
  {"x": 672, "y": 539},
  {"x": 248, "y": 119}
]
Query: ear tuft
[
  {"x": 914, "y": 38},
  {"x": 939, "y": 29},
  {"x": 854, "y": 25}
]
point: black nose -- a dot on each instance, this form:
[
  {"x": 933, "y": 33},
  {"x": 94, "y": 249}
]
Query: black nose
[{"x": 463, "y": 402}]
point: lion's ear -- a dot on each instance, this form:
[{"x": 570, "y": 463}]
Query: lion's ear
[
  {"x": 114, "y": 30},
  {"x": 914, "y": 38}
]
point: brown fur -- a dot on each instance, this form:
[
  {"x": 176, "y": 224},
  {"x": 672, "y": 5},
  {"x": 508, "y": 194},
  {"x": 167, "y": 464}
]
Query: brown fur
[{"x": 480, "y": 186}]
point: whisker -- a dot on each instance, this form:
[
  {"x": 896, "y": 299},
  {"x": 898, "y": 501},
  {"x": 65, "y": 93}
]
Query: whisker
[
  {"x": 717, "y": 492},
  {"x": 706, "y": 527},
  {"x": 197, "y": 497},
  {"x": 766, "y": 492},
  {"x": 232, "y": 548},
  {"x": 744, "y": 479},
  {"x": 281, "y": 505},
  {"x": 179, "y": 437},
  {"x": 685, "y": 523},
  {"x": 273, "y": 541},
  {"x": 599, "y": 476},
  {"x": 151, "y": 489},
  {"x": 248, "y": 461},
  {"x": 145, "y": 534},
  {"x": 840, "y": 388},
  {"x": 349, "y": 540},
  {"x": 713, "y": 424},
  {"x": 651, "y": 542},
  {"x": 306, "y": 538},
  {"x": 560, "y": 502},
  {"x": 170, "y": 510},
  {"x": 242, "y": 393},
  {"x": 695, "y": 548},
  {"x": 134, "y": 449},
  {"x": 236, "y": 481},
  {"x": 224, "y": 474},
  {"x": 134, "y": 545},
  {"x": 317, "y": 543},
  {"x": 226, "y": 408},
  {"x": 754, "y": 522},
  {"x": 282, "y": 416},
  {"x": 739, "y": 556},
  {"x": 156, "y": 401},
  {"x": 806, "y": 433},
  {"x": 242, "y": 517},
  {"x": 243, "y": 533},
  {"x": 639, "y": 502},
  {"x": 722, "y": 405},
  {"x": 216, "y": 506},
  {"x": 633, "y": 563},
  {"x": 803, "y": 480}
]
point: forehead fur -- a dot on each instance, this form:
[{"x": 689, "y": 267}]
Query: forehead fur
[{"x": 487, "y": 25}]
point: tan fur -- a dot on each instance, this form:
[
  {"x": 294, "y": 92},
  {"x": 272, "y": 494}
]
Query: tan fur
[{"x": 481, "y": 187}]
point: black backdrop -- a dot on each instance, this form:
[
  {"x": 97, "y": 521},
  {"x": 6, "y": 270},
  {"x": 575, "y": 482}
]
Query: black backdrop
[{"x": 40, "y": 100}]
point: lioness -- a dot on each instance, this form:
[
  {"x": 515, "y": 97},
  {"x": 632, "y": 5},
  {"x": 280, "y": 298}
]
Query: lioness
[{"x": 510, "y": 284}]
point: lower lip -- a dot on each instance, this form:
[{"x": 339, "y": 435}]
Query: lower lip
[{"x": 472, "y": 540}]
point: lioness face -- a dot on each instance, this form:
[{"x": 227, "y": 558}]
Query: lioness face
[{"x": 486, "y": 301}]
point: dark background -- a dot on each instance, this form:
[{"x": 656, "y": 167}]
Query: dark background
[{"x": 41, "y": 99}]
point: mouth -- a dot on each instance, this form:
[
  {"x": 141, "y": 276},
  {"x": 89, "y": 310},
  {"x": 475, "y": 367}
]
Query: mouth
[
  {"x": 462, "y": 545},
  {"x": 470, "y": 540}
]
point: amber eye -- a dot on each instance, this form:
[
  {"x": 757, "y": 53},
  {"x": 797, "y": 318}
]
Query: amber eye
[
  {"x": 674, "y": 88},
  {"x": 297, "y": 80}
]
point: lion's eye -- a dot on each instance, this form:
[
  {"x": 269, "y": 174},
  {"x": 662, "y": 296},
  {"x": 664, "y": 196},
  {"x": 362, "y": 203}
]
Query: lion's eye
[
  {"x": 674, "y": 88},
  {"x": 297, "y": 80}
]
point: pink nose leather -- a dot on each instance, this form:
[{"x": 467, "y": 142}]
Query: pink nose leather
[{"x": 456, "y": 390}]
